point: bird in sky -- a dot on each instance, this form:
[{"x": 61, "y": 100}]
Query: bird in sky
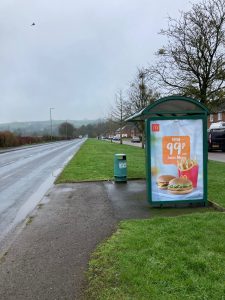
[{"x": 32, "y": 24}]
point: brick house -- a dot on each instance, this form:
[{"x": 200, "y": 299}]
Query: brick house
[
  {"x": 217, "y": 115},
  {"x": 128, "y": 131}
]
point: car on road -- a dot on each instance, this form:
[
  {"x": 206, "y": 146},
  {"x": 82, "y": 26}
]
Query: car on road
[
  {"x": 135, "y": 139},
  {"x": 216, "y": 139},
  {"x": 116, "y": 138}
]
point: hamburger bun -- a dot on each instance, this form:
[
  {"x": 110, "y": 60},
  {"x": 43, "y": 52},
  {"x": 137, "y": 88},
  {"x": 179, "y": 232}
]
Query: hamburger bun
[
  {"x": 164, "y": 180},
  {"x": 180, "y": 186}
]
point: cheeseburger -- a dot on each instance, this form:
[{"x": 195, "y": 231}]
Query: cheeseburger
[
  {"x": 163, "y": 181},
  {"x": 180, "y": 185}
]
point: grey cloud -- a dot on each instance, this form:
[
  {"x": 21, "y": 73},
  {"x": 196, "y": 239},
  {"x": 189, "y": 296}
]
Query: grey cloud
[{"x": 76, "y": 56}]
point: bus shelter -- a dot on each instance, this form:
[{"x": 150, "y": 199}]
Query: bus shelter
[{"x": 176, "y": 150}]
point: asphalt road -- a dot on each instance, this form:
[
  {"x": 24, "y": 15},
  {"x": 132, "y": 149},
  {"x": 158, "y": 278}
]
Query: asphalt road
[{"x": 26, "y": 175}]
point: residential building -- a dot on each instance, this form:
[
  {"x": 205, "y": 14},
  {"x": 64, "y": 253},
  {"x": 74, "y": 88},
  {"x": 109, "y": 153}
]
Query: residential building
[
  {"x": 128, "y": 131},
  {"x": 217, "y": 115}
]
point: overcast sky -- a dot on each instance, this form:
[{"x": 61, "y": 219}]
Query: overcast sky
[{"x": 79, "y": 53}]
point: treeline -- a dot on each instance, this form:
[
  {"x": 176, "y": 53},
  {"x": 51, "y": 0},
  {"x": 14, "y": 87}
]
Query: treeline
[
  {"x": 102, "y": 128},
  {"x": 66, "y": 131},
  {"x": 107, "y": 127},
  {"x": 9, "y": 139}
]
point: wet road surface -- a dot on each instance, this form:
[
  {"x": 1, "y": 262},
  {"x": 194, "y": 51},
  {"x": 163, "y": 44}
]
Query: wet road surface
[{"x": 26, "y": 175}]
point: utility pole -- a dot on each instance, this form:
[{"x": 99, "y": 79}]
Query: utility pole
[{"x": 51, "y": 120}]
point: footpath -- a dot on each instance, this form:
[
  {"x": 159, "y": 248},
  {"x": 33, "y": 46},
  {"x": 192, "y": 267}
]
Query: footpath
[{"x": 48, "y": 258}]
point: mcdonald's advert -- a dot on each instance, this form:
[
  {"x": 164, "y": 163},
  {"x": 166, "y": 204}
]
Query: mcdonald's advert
[{"x": 176, "y": 148}]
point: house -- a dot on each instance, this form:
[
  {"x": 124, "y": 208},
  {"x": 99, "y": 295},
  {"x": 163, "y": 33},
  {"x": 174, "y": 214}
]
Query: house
[
  {"x": 218, "y": 115},
  {"x": 128, "y": 131}
]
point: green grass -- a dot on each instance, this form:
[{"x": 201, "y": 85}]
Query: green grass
[
  {"x": 216, "y": 182},
  {"x": 162, "y": 258},
  {"x": 95, "y": 161}
]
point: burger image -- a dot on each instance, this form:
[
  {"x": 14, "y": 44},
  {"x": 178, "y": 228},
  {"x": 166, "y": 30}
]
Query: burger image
[
  {"x": 163, "y": 181},
  {"x": 180, "y": 185}
]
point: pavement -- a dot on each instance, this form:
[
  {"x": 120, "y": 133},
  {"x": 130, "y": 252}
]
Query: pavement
[
  {"x": 217, "y": 156},
  {"x": 47, "y": 255}
]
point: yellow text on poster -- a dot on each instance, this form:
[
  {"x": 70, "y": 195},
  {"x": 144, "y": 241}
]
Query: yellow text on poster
[{"x": 174, "y": 148}]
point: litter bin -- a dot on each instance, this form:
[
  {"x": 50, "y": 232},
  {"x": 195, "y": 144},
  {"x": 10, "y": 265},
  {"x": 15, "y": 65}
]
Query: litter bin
[{"x": 120, "y": 168}]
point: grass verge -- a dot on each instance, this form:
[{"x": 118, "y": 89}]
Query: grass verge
[
  {"x": 162, "y": 258},
  {"x": 216, "y": 186},
  {"x": 94, "y": 161}
]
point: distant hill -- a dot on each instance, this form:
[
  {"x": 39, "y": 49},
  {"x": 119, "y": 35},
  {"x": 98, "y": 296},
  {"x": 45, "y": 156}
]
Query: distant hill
[{"x": 41, "y": 127}]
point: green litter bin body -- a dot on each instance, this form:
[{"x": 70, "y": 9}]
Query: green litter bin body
[{"x": 120, "y": 168}]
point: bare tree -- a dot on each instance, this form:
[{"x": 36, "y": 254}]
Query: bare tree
[
  {"x": 119, "y": 113},
  {"x": 193, "y": 61},
  {"x": 140, "y": 95}
]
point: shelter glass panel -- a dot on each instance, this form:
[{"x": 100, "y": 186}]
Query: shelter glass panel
[{"x": 176, "y": 153}]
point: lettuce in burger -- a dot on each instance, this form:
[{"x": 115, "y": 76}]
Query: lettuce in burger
[{"x": 180, "y": 185}]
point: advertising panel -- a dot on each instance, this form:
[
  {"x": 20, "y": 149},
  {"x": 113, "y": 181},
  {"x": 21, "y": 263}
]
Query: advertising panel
[{"x": 176, "y": 159}]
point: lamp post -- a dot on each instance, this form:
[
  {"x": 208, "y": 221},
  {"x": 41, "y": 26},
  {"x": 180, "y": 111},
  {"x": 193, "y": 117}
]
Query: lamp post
[
  {"x": 50, "y": 109},
  {"x": 66, "y": 130}
]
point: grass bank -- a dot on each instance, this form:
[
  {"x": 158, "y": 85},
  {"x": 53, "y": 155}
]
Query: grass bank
[
  {"x": 162, "y": 258},
  {"x": 216, "y": 180},
  {"x": 94, "y": 161}
]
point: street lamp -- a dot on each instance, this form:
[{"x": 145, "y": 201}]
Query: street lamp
[
  {"x": 66, "y": 130},
  {"x": 50, "y": 109}
]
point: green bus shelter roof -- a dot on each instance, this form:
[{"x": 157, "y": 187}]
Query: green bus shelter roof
[{"x": 171, "y": 106}]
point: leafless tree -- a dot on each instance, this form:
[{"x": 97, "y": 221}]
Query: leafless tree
[
  {"x": 140, "y": 95},
  {"x": 119, "y": 113},
  {"x": 193, "y": 61}
]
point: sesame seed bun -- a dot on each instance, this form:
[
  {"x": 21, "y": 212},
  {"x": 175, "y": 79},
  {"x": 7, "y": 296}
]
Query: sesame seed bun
[{"x": 164, "y": 180}]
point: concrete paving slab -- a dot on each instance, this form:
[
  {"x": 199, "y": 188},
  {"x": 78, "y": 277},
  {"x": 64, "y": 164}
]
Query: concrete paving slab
[{"x": 128, "y": 199}]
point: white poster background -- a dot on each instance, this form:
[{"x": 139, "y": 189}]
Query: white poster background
[{"x": 191, "y": 128}]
